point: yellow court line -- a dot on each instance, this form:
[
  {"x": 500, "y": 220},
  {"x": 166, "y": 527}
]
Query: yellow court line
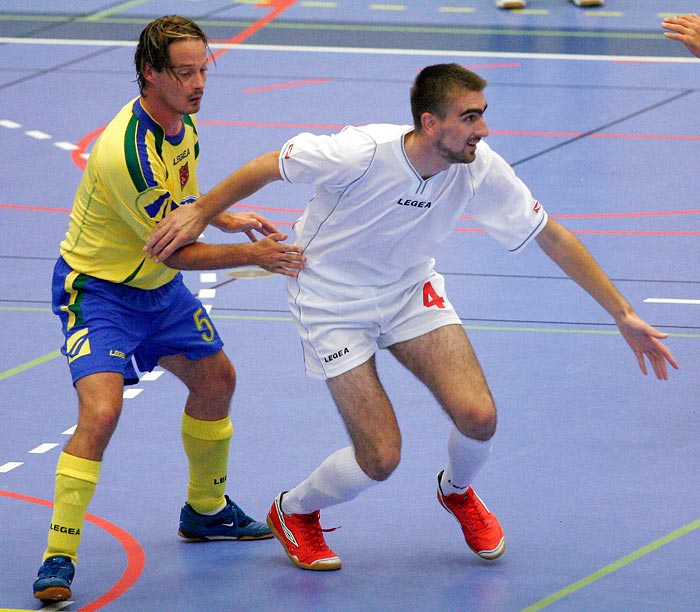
[
  {"x": 112, "y": 11},
  {"x": 595, "y": 13},
  {"x": 612, "y": 567},
  {"x": 530, "y": 11},
  {"x": 456, "y": 9},
  {"x": 387, "y": 7}
]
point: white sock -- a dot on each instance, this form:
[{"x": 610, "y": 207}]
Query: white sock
[
  {"x": 465, "y": 458},
  {"x": 338, "y": 479}
]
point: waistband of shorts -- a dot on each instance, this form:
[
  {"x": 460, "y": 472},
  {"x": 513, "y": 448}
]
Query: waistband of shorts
[{"x": 126, "y": 292}]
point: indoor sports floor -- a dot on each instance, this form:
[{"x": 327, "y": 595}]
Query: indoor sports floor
[{"x": 594, "y": 473}]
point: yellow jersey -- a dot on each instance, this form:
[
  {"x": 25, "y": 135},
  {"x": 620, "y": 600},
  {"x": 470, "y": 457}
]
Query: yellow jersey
[{"x": 135, "y": 175}]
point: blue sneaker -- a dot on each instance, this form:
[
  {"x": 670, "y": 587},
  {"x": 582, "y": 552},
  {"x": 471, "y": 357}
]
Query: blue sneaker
[
  {"x": 231, "y": 523},
  {"x": 53, "y": 580}
]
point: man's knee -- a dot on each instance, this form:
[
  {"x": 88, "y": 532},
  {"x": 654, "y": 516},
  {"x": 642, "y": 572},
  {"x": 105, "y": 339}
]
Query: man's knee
[
  {"x": 216, "y": 378},
  {"x": 379, "y": 464},
  {"x": 477, "y": 421}
]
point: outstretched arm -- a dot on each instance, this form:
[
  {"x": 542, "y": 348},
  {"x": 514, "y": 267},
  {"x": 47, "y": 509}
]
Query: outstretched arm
[
  {"x": 571, "y": 255},
  {"x": 185, "y": 224},
  {"x": 686, "y": 29},
  {"x": 270, "y": 253}
]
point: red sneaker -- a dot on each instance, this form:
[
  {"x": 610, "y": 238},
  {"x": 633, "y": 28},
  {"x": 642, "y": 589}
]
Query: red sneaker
[
  {"x": 302, "y": 538},
  {"x": 481, "y": 529}
]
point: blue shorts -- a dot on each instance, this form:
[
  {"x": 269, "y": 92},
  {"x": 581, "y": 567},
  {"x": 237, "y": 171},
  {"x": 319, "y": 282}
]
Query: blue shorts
[{"x": 108, "y": 326}]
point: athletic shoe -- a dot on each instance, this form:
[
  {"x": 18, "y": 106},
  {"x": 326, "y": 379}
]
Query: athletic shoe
[
  {"x": 54, "y": 579},
  {"x": 481, "y": 529},
  {"x": 511, "y": 4},
  {"x": 302, "y": 538},
  {"x": 588, "y": 2},
  {"x": 231, "y": 523}
]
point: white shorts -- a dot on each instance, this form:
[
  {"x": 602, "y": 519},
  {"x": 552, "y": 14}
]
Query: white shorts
[{"x": 342, "y": 327}]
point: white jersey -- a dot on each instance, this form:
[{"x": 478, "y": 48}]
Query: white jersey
[{"x": 375, "y": 221}]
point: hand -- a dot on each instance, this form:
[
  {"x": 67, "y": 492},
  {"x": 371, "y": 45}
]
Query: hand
[
  {"x": 274, "y": 256},
  {"x": 244, "y": 222},
  {"x": 686, "y": 29},
  {"x": 180, "y": 227},
  {"x": 645, "y": 341}
]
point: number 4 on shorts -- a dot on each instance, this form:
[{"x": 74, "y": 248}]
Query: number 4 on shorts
[{"x": 431, "y": 297}]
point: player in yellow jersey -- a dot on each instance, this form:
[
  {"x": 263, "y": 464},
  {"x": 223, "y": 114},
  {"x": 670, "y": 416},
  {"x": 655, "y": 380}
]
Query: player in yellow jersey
[{"x": 117, "y": 306}]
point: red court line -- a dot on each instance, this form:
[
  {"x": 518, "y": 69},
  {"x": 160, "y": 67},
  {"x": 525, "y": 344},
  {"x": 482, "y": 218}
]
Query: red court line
[
  {"x": 659, "y": 213},
  {"x": 84, "y": 143},
  {"x": 296, "y": 126},
  {"x": 135, "y": 556},
  {"x": 286, "y": 85},
  {"x": 270, "y": 208},
  {"x": 278, "y": 7},
  {"x": 467, "y": 218},
  {"x": 479, "y": 230},
  {"x": 489, "y": 66},
  {"x": 39, "y": 208}
]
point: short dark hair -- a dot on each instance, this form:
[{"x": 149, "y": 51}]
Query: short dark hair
[
  {"x": 436, "y": 86},
  {"x": 155, "y": 40}
]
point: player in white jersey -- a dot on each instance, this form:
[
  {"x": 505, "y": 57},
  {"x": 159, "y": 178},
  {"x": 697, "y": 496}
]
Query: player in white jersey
[
  {"x": 385, "y": 197},
  {"x": 685, "y": 29}
]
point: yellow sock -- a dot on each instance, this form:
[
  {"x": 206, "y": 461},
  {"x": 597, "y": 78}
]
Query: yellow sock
[
  {"x": 206, "y": 446},
  {"x": 76, "y": 479}
]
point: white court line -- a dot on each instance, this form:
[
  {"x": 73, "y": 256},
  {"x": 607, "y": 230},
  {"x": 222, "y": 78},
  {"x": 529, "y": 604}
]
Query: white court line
[
  {"x": 154, "y": 375},
  {"x": 10, "y": 125},
  {"x": 9, "y": 466},
  {"x": 131, "y": 393},
  {"x": 670, "y": 301},
  {"x": 368, "y": 51},
  {"x": 43, "y": 448},
  {"x": 38, "y": 135}
]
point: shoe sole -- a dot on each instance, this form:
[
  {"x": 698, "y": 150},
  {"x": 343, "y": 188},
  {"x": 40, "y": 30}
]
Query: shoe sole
[
  {"x": 322, "y": 565},
  {"x": 56, "y": 593},
  {"x": 245, "y": 538},
  {"x": 490, "y": 555}
]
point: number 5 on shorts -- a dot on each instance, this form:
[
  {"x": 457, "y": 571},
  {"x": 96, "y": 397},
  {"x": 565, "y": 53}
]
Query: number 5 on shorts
[
  {"x": 431, "y": 298},
  {"x": 204, "y": 325}
]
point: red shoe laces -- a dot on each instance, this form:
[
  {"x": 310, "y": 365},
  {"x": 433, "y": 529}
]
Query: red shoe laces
[{"x": 312, "y": 530}]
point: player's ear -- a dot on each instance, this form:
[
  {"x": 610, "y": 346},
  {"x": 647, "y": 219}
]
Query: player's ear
[
  {"x": 148, "y": 72},
  {"x": 429, "y": 122}
]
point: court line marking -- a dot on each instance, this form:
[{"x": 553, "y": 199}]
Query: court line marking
[
  {"x": 135, "y": 555},
  {"x": 613, "y": 567},
  {"x": 670, "y": 301},
  {"x": 365, "y": 51}
]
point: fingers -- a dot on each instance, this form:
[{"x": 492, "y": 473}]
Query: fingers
[
  {"x": 153, "y": 245},
  {"x": 162, "y": 247}
]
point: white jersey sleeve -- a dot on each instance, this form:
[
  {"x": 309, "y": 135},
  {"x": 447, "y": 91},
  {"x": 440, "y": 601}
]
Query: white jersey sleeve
[
  {"x": 502, "y": 203},
  {"x": 331, "y": 161}
]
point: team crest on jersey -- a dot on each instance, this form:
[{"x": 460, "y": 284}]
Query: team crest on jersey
[{"x": 184, "y": 175}]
